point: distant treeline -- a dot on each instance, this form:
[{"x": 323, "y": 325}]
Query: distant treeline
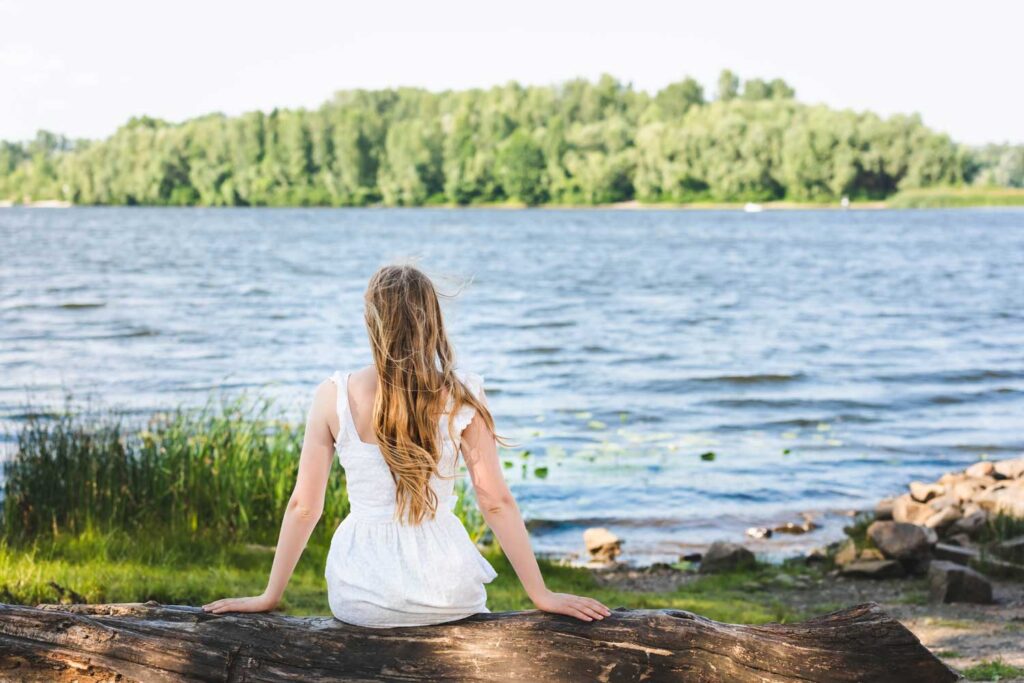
[{"x": 574, "y": 143}]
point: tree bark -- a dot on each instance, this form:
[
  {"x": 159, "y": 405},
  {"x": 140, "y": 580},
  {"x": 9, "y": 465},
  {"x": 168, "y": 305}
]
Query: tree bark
[{"x": 153, "y": 642}]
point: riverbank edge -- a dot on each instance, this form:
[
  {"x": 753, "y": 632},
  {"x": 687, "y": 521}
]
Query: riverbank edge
[{"x": 948, "y": 198}]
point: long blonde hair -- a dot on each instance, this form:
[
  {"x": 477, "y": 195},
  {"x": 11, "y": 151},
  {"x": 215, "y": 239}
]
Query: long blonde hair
[{"x": 416, "y": 377}]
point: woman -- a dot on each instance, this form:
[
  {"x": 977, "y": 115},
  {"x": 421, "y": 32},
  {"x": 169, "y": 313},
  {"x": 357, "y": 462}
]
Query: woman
[{"x": 401, "y": 557}]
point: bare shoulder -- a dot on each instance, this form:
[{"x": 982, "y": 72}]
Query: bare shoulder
[
  {"x": 362, "y": 384},
  {"x": 325, "y": 392},
  {"x": 325, "y": 397},
  {"x": 366, "y": 376}
]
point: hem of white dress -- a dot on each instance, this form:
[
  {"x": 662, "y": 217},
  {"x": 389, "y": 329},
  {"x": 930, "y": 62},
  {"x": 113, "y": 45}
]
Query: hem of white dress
[{"x": 444, "y": 619}]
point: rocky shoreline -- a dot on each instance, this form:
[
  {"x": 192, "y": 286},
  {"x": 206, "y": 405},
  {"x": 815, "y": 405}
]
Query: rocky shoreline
[
  {"x": 950, "y": 519},
  {"x": 952, "y": 529},
  {"x": 944, "y": 557}
]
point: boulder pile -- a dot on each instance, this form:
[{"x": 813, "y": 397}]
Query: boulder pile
[
  {"x": 961, "y": 502},
  {"x": 918, "y": 531}
]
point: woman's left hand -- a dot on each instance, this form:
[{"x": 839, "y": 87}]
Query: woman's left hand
[{"x": 257, "y": 603}]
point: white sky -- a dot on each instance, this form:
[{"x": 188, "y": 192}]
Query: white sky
[{"x": 83, "y": 68}]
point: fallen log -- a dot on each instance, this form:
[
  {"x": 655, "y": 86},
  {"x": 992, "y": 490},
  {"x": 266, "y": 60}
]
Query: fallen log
[{"x": 153, "y": 642}]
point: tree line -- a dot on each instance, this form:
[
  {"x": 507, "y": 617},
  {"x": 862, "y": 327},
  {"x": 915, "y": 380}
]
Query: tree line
[{"x": 578, "y": 142}]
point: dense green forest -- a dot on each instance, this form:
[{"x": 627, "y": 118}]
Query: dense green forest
[{"x": 574, "y": 143}]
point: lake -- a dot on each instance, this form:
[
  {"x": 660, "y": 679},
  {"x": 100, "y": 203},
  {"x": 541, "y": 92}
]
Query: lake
[{"x": 824, "y": 358}]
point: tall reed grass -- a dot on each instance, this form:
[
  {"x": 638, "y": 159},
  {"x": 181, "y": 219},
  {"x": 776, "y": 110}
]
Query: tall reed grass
[{"x": 223, "y": 472}]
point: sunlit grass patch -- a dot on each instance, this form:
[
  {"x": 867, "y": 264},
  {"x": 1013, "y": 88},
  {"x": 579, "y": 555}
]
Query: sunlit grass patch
[
  {"x": 943, "y": 622},
  {"x": 738, "y": 597},
  {"x": 126, "y": 570},
  {"x": 993, "y": 670},
  {"x": 117, "y": 567}
]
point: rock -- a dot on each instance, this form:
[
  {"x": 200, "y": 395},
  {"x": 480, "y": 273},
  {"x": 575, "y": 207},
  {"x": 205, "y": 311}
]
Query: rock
[
  {"x": 907, "y": 543},
  {"x": 1005, "y": 500},
  {"x": 931, "y": 535},
  {"x": 950, "y": 478},
  {"x": 603, "y": 545},
  {"x": 955, "y": 553},
  {"x": 1011, "y": 549},
  {"x": 967, "y": 489},
  {"x": 951, "y": 582},
  {"x": 962, "y": 540},
  {"x": 794, "y": 528},
  {"x": 970, "y": 508},
  {"x": 723, "y": 556},
  {"x": 922, "y": 492},
  {"x": 970, "y": 524},
  {"x": 943, "y": 518},
  {"x": 847, "y": 553},
  {"x": 942, "y": 502},
  {"x": 980, "y": 469},
  {"x": 759, "y": 532},
  {"x": 973, "y": 556},
  {"x": 883, "y": 510},
  {"x": 816, "y": 556},
  {"x": 871, "y": 555},
  {"x": 874, "y": 569},
  {"x": 906, "y": 509},
  {"x": 1009, "y": 469}
]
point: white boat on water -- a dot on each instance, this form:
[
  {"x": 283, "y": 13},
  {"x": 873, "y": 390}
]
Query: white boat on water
[{"x": 751, "y": 207}]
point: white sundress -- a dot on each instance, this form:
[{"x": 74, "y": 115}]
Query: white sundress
[{"x": 382, "y": 572}]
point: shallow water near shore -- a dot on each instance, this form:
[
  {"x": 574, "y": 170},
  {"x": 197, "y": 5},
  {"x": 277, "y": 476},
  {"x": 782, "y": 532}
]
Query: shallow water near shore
[{"x": 817, "y": 360}]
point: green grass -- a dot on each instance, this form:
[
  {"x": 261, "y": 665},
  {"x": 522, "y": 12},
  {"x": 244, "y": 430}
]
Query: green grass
[
  {"x": 1001, "y": 528},
  {"x": 993, "y": 670},
  {"x": 948, "y": 654},
  {"x": 952, "y": 197},
  {"x": 943, "y": 622},
  {"x": 119, "y": 567},
  {"x": 748, "y": 597},
  {"x": 857, "y": 530},
  {"x": 185, "y": 509},
  {"x": 226, "y": 470},
  {"x": 913, "y": 596}
]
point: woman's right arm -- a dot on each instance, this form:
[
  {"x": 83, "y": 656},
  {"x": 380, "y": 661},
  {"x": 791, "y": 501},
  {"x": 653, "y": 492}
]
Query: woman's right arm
[{"x": 501, "y": 513}]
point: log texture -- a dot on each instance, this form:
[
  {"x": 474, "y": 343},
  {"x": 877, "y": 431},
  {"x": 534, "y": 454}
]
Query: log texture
[{"x": 152, "y": 642}]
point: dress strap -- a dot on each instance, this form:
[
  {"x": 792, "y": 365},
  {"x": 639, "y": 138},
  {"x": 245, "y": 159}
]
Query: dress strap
[{"x": 342, "y": 408}]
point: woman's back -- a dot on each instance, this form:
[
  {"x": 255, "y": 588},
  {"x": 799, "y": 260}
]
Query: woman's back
[
  {"x": 381, "y": 570},
  {"x": 402, "y": 557}
]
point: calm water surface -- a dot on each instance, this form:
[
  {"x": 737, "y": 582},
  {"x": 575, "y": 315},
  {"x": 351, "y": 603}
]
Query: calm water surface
[{"x": 825, "y": 358}]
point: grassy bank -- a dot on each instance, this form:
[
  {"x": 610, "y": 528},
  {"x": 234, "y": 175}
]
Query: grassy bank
[
  {"x": 956, "y": 197},
  {"x": 118, "y": 567},
  {"x": 186, "y": 507}
]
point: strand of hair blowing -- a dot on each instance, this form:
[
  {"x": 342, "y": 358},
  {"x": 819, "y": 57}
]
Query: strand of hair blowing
[{"x": 416, "y": 371}]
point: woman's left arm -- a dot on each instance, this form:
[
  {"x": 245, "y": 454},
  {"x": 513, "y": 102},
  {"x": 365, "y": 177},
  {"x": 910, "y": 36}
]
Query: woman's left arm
[{"x": 304, "y": 508}]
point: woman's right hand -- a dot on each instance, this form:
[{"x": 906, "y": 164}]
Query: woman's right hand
[{"x": 584, "y": 609}]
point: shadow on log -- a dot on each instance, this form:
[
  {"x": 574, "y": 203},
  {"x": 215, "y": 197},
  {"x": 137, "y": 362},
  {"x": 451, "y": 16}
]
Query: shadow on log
[{"x": 151, "y": 642}]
